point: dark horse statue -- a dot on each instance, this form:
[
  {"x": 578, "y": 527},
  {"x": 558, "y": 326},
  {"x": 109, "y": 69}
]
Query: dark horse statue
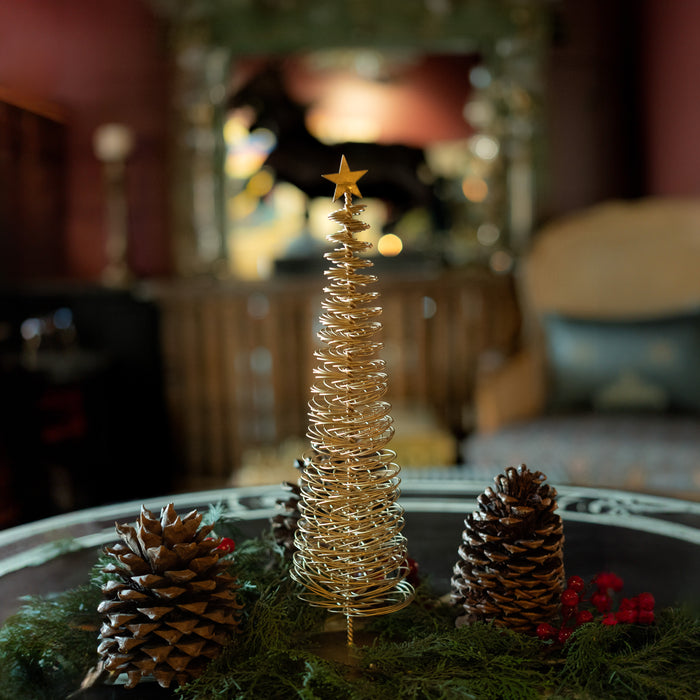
[{"x": 394, "y": 171}]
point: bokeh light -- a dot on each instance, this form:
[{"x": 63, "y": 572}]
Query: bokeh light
[
  {"x": 475, "y": 189},
  {"x": 389, "y": 245},
  {"x": 488, "y": 234}
]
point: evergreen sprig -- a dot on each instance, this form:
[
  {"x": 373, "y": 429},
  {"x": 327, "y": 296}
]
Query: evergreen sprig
[
  {"x": 480, "y": 661},
  {"x": 48, "y": 647},
  {"x": 635, "y": 661},
  {"x": 426, "y": 615}
]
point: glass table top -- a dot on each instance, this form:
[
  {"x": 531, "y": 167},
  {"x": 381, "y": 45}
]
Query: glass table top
[{"x": 652, "y": 542}]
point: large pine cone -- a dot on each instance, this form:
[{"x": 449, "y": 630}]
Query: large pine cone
[
  {"x": 511, "y": 568},
  {"x": 169, "y": 604}
]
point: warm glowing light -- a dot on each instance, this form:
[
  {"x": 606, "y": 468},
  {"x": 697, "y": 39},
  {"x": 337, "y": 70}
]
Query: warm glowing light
[
  {"x": 329, "y": 128},
  {"x": 261, "y": 183},
  {"x": 241, "y": 206},
  {"x": 352, "y": 110},
  {"x": 112, "y": 143},
  {"x": 247, "y": 151},
  {"x": 235, "y": 129},
  {"x": 389, "y": 245},
  {"x": 484, "y": 147},
  {"x": 272, "y": 226},
  {"x": 479, "y": 113},
  {"x": 475, "y": 189}
]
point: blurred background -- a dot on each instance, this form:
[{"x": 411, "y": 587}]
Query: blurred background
[{"x": 163, "y": 215}]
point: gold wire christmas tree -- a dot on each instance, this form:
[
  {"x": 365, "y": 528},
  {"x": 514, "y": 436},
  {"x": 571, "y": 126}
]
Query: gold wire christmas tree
[{"x": 351, "y": 553}]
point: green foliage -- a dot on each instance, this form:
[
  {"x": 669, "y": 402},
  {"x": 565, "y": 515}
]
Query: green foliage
[
  {"x": 46, "y": 649},
  {"x": 225, "y": 524},
  {"x": 479, "y": 661},
  {"x": 424, "y": 616},
  {"x": 633, "y": 661},
  {"x": 97, "y": 575}
]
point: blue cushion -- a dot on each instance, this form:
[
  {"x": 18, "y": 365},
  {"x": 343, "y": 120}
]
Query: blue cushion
[
  {"x": 624, "y": 364},
  {"x": 637, "y": 451}
]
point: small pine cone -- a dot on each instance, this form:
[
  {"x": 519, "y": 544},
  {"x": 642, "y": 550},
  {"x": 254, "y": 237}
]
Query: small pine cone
[
  {"x": 285, "y": 524},
  {"x": 511, "y": 568},
  {"x": 169, "y": 605}
]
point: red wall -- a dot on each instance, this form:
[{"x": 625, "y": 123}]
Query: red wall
[
  {"x": 99, "y": 62},
  {"x": 106, "y": 60},
  {"x": 671, "y": 69},
  {"x": 591, "y": 144},
  {"x": 623, "y": 102}
]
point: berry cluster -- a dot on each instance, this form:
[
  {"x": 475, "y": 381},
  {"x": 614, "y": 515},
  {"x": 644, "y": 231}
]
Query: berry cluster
[
  {"x": 226, "y": 546},
  {"x": 413, "y": 576},
  {"x": 639, "y": 610}
]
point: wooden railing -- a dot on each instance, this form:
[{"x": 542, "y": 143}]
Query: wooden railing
[{"x": 239, "y": 357}]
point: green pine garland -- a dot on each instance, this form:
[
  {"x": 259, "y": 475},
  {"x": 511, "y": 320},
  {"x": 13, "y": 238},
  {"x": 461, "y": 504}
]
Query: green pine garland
[
  {"x": 47, "y": 647},
  {"x": 50, "y": 644}
]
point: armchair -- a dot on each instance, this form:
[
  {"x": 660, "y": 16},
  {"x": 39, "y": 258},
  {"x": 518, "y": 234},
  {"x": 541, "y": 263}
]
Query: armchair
[{"x": 605, "y": 389}]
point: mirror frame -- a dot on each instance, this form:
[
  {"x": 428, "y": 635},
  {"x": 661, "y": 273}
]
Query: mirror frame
[{"x": 207, "y": 37}]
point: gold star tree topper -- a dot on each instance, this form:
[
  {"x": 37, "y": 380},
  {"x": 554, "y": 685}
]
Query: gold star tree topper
[{"x": 345, "y": 180}]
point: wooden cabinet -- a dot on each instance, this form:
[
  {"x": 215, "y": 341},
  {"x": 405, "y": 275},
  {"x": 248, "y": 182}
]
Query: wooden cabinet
[
  {"x": 32, "y": 194},
  {"x": 238, "y": 358}
]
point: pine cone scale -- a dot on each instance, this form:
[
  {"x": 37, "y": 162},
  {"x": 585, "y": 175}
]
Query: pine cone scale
[
  {"x": 203, "y": 586},
  {"x": 158, "y": 654},
  {"x": 147, "y": 665},
  {"x": 141, "y": 630},
  {"x": 117, "y": 620},
  {"x": 181, "y": 576},
  {"x": 147, "y": 580},
  {"x": 171, "y": 636},
  {"x": 126, "y": 644},
  {"x": 154, "y": 613},
  {"x": 184, "y": 626}
]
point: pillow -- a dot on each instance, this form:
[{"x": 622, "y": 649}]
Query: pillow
[{"x": 647, "y": 364}]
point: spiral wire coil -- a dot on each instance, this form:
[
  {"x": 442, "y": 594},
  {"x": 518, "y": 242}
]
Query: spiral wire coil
[{"x": 351, "y": 553}]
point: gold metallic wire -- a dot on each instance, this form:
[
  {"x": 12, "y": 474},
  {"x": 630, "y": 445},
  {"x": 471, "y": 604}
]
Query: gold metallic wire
[{"x": 351, "y": 553}]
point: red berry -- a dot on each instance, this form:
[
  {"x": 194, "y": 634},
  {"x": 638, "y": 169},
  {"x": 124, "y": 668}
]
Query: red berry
[
  {"x": 616, "y": 583},
  {"x": 601, "y": 580},
  {"x": 607, "y": 580},
  {"x": 629, "y": 604},
  {"x": 646, "y": 601},
  {"x": 575, "y": 583},
  {"x": 628, "y": 616},
  {"x": 609, "y": 619},
  {"x": 413, "y": 576},
  {"x": 601, "y": 601},
  {"x": 545, "y": 631},
  {"x": 569, "y": 598},
  {"x": 227, "y": 545},
  {"x": 564, "y": 634},
  {"x": 584, "y": 616},
  {"x": 645, "y": 617}
]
